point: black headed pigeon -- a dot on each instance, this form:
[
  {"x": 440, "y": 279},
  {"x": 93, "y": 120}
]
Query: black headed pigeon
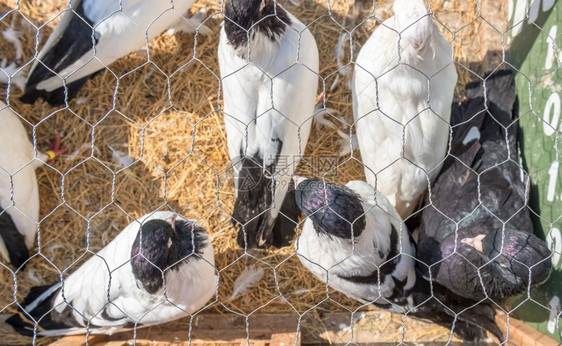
[
  {"x": 158, "y": 269},
  {"x": 269, "y": 67}
]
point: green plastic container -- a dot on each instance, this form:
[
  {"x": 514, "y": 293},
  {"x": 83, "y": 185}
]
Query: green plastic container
[{"x": 535, "y": 52}]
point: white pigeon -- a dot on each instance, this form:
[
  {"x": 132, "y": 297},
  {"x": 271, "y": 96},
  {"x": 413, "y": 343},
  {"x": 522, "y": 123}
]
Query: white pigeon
[
  {"x": 354, "y": 241},
  {"x": 269, "y": 67},
  {"x": 402, "y": 92},
  {"x": 19, "y": 193},
  {"x": 91, "y": 35},
  {"x": 158, "y": 269}
]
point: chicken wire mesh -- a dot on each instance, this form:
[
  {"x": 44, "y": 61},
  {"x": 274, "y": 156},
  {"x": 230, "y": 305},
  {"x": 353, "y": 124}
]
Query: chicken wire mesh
[{"x": 147, "y": 133}]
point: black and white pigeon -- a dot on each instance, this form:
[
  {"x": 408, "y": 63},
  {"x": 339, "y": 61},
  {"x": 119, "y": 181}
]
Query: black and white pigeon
[
  {"x": 19, "y": 193},
  {"x": 477, "y": 217},
  {"x": 158, "y": 269},
  {"x": 91, "y": 35},
  {"x": 354, "y": 240},
  {"x": 269, "y": 68}
]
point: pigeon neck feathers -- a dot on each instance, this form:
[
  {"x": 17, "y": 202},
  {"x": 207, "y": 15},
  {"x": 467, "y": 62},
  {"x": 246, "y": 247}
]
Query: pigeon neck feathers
[
  {"x": 159, "y": 247},
  {"x": 190, "y": 241},
  {"x": 334, "y": 209},
  {"x": 246, "y": 18}
]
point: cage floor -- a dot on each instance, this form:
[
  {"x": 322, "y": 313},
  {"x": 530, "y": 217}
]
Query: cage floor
[{"x": 138, "y": 144}]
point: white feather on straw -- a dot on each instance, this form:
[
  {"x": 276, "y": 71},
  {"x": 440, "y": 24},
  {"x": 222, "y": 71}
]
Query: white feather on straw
[
  {"x": 9, "y": 73},
  {"x": 13, "y": 36},
  {"x": 248, "y": 278}
]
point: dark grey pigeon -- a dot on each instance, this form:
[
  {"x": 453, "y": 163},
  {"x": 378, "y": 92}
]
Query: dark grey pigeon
[{"x": 482, "y": 188}]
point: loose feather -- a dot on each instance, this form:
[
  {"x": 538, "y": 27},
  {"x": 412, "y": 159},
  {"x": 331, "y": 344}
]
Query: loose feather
[
  {"x": 10, "y": 73},
  {"x": 13, "y": 36},
  {"x": 247, "y": 279}
]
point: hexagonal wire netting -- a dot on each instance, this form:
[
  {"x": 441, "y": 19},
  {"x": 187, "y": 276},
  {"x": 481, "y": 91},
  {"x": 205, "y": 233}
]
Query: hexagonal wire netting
[{"x": 147, "y": 133}]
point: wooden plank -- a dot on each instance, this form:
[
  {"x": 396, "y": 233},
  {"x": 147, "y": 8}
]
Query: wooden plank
[
  {"x": 159, "y": 336},
  {"x": 280, "y": 330},
  {"x": 78, "y": 340},
  {"x": 522, "y": 334},
  {"x": 144, "y": 342},
  {"x": 218, "y": 329},
  {"x": 259, "y": 321},
  {"x": 284, "y": 339}
]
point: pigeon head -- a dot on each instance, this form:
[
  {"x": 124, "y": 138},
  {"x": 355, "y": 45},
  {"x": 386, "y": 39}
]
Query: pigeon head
[
  {"x": 163, "y": 245},
  {"x": 334, "y": 209},
  {"x": 149, "y": 254},
  {"x": 516, "y": 255},
  {"x": 504, "y": 259},
  {"x": 247, "y": 17}
]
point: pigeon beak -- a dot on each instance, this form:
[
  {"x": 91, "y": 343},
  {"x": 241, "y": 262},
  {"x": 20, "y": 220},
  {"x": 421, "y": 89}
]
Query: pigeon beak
[
  {"x": 172, "y": 221},
  {"x": 297, "y": 180},
  {"x": 475, "y": 242}
]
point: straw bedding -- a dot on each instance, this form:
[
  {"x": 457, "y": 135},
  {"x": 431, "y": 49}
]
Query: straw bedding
[{"x": 139, "y": 141}]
